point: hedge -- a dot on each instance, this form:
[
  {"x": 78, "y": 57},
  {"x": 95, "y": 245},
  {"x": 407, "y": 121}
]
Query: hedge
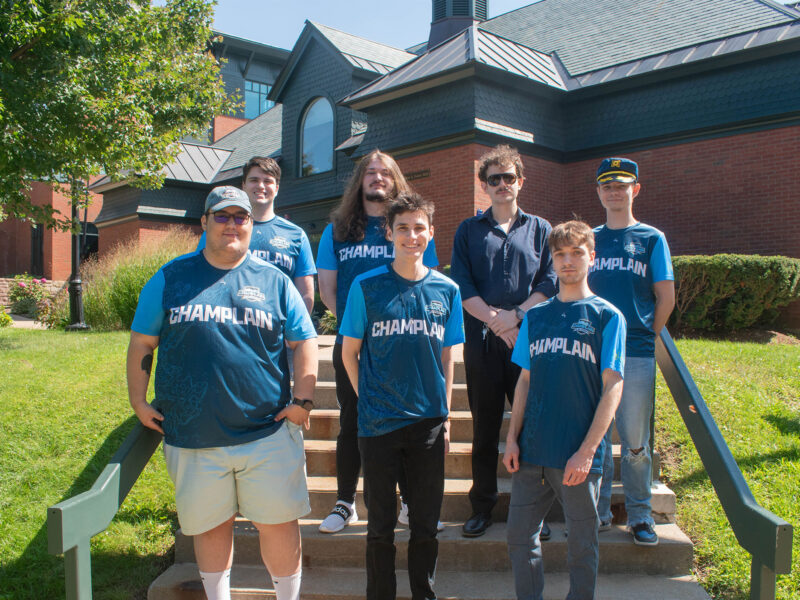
[{"x": 732, "y": 291}]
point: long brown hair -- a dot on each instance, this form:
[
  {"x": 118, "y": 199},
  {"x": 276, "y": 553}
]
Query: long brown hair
[{"x": 349, "y": 218}]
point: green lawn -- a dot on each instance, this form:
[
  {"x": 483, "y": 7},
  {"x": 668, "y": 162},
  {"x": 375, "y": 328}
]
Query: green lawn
[
  {"x": 64, "y": 411},
  {"x": 753, "y": 392}
]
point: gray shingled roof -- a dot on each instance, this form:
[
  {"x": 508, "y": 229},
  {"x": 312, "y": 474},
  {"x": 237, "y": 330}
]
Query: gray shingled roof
[
  {"x": 259, "y": 137},
  {"x": 471, "y": 45},
  {"x": 593, "y": 34},
  {"x": 365, "y": 54}
]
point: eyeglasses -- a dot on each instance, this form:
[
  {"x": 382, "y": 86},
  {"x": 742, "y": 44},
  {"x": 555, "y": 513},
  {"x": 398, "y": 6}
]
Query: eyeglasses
[
  {"x": 508, "y": 179},
  {"x": 223, "y": 217}
]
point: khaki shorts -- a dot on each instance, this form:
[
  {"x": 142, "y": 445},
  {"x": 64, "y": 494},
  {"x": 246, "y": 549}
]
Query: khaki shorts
[{"x": 263, "y": 480}]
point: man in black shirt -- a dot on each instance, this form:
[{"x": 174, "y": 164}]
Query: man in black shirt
[{"x": 502, "y": 264}]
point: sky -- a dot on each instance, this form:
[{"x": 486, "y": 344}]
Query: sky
[{"x": 398, "y": 23}]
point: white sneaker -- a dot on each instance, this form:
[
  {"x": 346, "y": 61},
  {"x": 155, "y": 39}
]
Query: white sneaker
[
  {"x": 342, "y": 515},
  {"x": 402, "y": 518}
]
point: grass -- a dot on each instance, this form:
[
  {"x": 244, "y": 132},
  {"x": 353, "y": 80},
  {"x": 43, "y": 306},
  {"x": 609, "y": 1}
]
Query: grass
[
  {"x": 64, "y": 411},
  {"x": 753, "y": 392}
]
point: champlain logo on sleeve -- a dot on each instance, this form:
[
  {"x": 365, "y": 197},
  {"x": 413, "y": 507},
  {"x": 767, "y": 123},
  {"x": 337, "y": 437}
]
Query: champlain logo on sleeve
[
  {"x": 583, "y": 327},
  {"x": 280, "y": 242},
  {"x": 633, "y": 247},
  {"x": 435, "y": 308},
  {"x": 251, "y": 293}
]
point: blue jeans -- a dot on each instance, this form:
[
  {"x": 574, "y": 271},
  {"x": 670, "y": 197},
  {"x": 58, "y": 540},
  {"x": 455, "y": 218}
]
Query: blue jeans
[
  {"x": 633, "y": 423},
  {"x": 533, "y": 489}
]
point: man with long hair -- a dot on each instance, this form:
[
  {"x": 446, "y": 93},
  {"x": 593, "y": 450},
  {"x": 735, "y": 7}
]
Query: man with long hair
[{"x": 353, "y": 243}]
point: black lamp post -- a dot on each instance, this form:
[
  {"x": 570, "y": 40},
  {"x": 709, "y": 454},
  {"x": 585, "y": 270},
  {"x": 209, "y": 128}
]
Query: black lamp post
[{"x": 76, "y": 322}]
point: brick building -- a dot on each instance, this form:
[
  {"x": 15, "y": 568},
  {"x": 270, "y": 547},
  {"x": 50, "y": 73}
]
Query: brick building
[{"x": 704, "y": 94}]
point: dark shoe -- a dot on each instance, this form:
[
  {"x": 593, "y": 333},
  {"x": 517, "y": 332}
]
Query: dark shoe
[
  {"x": 476, "y": 525},
  {"x": 644, "y": 535},
  {"x": 545, "y": 533}
]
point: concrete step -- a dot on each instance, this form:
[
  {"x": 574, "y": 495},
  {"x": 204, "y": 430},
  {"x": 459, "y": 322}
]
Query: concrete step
[
  {"x": 182, "y": 582},
  {"x": 321, "y": 460},
  {"x": 346, "y": 549},
  {"x": 456, "y": 506}
]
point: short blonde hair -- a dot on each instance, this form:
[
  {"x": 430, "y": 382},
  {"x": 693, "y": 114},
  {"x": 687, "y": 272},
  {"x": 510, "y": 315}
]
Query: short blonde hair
[{"x": 571, "y": 233}]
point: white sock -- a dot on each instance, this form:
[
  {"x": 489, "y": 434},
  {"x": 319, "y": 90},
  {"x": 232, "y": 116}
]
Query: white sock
[
  {"x": 288, "y": 587},
  {"x": 217, "y": 585}
]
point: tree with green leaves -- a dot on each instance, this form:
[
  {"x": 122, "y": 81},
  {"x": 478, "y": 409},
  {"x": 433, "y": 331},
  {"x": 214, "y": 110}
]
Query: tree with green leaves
[{"x": 99, "y": 86}]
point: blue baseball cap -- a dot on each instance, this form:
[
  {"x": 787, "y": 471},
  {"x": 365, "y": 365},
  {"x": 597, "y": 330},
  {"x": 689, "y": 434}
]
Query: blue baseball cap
[
  {"x": 225, "y": 196},
  {"x": 617, "y": 169}
]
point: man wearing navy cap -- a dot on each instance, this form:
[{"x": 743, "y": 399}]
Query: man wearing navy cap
[
  {"x": 633, "y": 271},
  {"x": 502, "y": 264},
  {"x": 221, "y": 319}
]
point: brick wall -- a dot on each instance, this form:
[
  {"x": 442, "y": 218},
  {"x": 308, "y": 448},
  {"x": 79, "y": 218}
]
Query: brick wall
[
  {"x": 223, "y": 125},
  {"x": 143, "y": 231},
  {"x": 736, "y": 194}
]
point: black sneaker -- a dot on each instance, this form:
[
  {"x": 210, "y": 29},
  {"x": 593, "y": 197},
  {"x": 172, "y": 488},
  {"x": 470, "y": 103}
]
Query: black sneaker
[{"x": 644, "y": 535}]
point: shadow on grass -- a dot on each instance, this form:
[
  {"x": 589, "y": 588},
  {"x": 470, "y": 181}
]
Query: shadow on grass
[
  {"x": 700, "y": 475},
  {"x": 36, "y": 574},
  {"x": 786, "y": 425}
]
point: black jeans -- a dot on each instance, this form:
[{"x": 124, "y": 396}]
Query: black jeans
[
  {"x": 417, "y": 450},
  {"x": 348, "y": 459},
  {"x": 491, "y": 379}
]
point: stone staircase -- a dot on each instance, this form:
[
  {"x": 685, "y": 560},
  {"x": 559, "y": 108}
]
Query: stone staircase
[{"x": 468, "y": 569}]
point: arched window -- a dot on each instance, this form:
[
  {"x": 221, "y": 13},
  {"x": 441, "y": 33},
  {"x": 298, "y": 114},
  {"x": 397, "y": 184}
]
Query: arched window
[{"x": 316, "y": 138}]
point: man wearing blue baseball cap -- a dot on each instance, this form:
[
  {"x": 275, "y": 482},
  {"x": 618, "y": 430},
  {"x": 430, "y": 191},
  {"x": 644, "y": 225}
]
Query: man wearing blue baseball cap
[
  {"x": 632, "y": 270},
  {"x": 232, "y": 428}
]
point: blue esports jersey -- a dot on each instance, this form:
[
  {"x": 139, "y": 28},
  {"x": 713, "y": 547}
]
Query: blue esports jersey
[
  {"x": 281, "y": 243},
  {"x": 350, "y": 259},
  {"x": 566, "y": 346},
  {"x": 222, "y": 372},
  {"x": 627, "y": 263},
  {"x": 404, "y": 325}
]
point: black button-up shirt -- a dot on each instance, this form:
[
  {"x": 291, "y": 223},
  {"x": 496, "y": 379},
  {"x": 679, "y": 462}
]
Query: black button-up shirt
[{"x": 503, "y": 268}]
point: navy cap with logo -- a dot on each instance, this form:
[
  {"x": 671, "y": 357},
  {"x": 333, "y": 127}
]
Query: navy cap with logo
[
  {"x": 225, "y": 196},
  {"x": 617, "y": 169}
]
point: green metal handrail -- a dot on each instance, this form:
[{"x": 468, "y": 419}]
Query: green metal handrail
[
  {"x": 767, "y": 537},
  {"x": 72, "y": 524}
]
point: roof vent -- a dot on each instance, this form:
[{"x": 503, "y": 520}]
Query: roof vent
[{"x": 449, "y": 17}]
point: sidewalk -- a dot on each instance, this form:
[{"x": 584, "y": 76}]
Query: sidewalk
[{"x": 25, "y": 323}]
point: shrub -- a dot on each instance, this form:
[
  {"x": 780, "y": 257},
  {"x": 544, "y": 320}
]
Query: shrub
[
  {"x": 111, "y": 284},
  {"x": 5, "y": 320},
  {"x": 732, "y": 291},
  {"x": 327, "y": 322},
  {"x": 25, "y": 293}
]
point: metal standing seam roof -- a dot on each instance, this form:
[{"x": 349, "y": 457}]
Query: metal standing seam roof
[
  {"x": 589, "y": 35},
  {"x": 261, "y": 136},
  {"x": 196, "y": 163},
  {"x": 363, "y": 53},
  {"x": 471, "y": 45}
]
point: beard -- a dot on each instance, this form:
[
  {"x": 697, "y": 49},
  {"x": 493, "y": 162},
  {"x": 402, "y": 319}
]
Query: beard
[{"x": 376, "y": 196}]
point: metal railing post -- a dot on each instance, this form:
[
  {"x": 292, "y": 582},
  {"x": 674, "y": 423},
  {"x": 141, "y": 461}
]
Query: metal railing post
[{"x": 78, "y": 571}]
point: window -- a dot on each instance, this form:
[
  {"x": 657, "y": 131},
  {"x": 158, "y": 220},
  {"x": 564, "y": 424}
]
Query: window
[
  {"x": 255, "y": 99},
  {"x": 316, "y": 140}
]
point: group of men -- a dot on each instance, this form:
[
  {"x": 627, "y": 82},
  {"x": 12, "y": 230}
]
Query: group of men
[{"x": 543, "y": 326}]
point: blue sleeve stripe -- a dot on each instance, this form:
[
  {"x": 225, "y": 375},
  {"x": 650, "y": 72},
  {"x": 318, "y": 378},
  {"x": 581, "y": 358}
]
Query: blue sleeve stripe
[
  {"x": 612, "y": 355},
  {"x": 326, "y": 259},
  {"x": 521, "y": 355},
  {"x": 454, "y": 328},
  {"x": 661, "y": 261},
  {"x": 354, "y": 319},
  {"x": 150, "y": 311}
]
